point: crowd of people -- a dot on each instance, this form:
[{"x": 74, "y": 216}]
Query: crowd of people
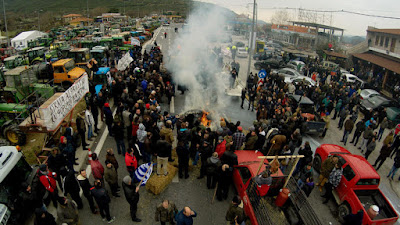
[{"x": 152, "y": 135}]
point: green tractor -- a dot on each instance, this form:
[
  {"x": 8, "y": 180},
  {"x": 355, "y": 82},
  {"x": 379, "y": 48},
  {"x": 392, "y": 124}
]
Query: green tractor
[
  {"x": 119, "y": 42},
  {"x": 21, "y": 86},
  {"x": 36, "y": 55},
  {"x": 13, "y": 62},
  {"x": 87, "y": 44},
  {"x": 45, "y": 41},
  {"x": 98, "y": 53},
  {"x": 11, "y": 115},
  {"x": 106, "y": 42}
]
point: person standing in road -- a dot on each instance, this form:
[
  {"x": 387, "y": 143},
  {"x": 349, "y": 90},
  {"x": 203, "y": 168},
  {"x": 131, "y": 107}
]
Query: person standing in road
[
  {"x": 183, "y": 159},
  {"x": 205, "y": 152},
  {"x": 360, "y": 127},
  {"x": 213, "y": 163},
  {"x": 224, "y": 181},
  {"x": 348, "y": 127},
  {"x": 334, "y": 180},
  {"x": 243, "y": 96},
  {"x": 86, "y": 186},
  {"x": 327, "y": 119},
  {"x": 109, "y": 118},
  {"x": 185, "y": 216},
  {"x": 111, "y": 177},
  {"x": 97, "y": 168},
  {"x": 49, "y": 182},
  {"x": 43, "y": 217},
  {"x": 238, "y": 138},
  {"x": 132, "y": 196},
  {"x": 81, "y": 127},
  {"x": 395, "y": 167},
  {"x": 71, "y": 186},
  {"x": 118, "y": 131},
  {"x": 67, "y": 212},
  {"x": 103, "y": 200},
  {"x": 252, "y": 98},
  {"x": 384, "y": 124},
  {"x": 165, "y": 212},
  {"x": 235, "y": 213},
  {"x": 370, "y": 148},
  {"x": 368, "y": 133},
  {"x": 326, "y": 168},
  {"x": 384, "y": 154},
  {"x": 90, "y": 122}
]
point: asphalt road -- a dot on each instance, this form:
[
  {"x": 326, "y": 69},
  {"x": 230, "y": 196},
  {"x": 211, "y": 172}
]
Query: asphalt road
[{"x": 193, "y": 192}]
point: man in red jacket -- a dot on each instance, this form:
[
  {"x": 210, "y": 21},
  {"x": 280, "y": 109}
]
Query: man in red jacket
[
  {"x": 49, "y": 182},
  {"x": 97, "y": 168},
  {"x": 131, "y": 162}
]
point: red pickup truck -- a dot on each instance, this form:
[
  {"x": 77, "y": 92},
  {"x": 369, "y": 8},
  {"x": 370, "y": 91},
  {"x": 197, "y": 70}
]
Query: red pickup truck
[
  {"x": 359, "y": 187},
  {"x": 261, "y": 210}
]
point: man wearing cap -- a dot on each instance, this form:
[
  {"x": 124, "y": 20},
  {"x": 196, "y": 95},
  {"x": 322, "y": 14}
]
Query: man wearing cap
[
  {"x": 132, "y": 196},
  {"x": 238, "y": 138},
  {"x": 213, "y": 163},
  {"x": 49, "y": 182}
]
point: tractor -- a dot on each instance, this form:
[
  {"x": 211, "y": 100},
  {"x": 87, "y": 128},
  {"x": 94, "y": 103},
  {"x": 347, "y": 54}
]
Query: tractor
[
  {"x": 11, "y": 115},
  {"x": 82, "y": 59},
  {"x": 36, "y": 55},
  {"x": 13, "y": 62},
  {"x": 98, "y": 53}
]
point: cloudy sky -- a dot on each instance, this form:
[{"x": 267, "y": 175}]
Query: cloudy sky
[{"x": 353, "y": 24}]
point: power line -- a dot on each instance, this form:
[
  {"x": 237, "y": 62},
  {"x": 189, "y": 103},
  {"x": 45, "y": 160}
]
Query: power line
[{"x": 335, "y": 11}]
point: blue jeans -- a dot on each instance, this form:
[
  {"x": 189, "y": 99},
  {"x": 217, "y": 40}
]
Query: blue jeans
[
  {"x": 345, "y": 136},
  {"x": 196, "y": 158},
  {"x": 90, "y": 131},
  {"x": 120, "y": 146},
  {"x": 392, "y": 171},
  {"x": 380, "y": 134}
]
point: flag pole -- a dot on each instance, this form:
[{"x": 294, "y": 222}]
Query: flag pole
[{"x": 141, "y": 181}]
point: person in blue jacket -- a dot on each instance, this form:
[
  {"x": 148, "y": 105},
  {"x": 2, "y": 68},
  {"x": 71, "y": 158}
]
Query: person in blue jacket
[{"x": 185, "y": 216}]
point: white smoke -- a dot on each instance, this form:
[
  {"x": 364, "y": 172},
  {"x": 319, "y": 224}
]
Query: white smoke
[{"x": 194, "y": 64}]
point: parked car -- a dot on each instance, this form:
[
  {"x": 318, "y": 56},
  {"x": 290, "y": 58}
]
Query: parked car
[
  {"x": 286, "y": 72},
  {"x": 393, "y": 115},
  {"x": 297, "y": 80},
  {"x": 242, "y": 53},
  {"x": 262, "y": 55},
  {"x": 353, "y": 79},
  {"x": 274, "y": 62},
  {"x": 368, "y": 93},
  {"x": 239, "y": 44},
  {"x": 296, "y": 64},
  {"x": 359, "y": 186},
  {"x": 376, "y": 103},
  {"x": 329, "y": 65}
]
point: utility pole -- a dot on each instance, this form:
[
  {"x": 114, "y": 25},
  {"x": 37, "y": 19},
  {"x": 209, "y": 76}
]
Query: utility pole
[
  {"x": 87, "y": 8},
  {"x": 251, "y": 40},
  {"x": 38, "y": 18},
  {"x": 5, "y": 24}
]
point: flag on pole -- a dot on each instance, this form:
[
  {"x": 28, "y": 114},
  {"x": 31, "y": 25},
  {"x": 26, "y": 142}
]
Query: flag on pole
[
  {"x": 143, "y": 172},
  {"x": 135, "y": 41}
]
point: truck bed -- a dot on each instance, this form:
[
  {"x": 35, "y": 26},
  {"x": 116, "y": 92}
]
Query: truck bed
[{"x": 375, "y": 197}]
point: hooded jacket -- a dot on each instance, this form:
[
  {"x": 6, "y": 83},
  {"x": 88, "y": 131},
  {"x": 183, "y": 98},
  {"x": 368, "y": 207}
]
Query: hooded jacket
[
  {"x": 130, "y": 162},
  {"x": 97, "y": 169},
  {"x": 132, "y": 197},
  {"x": 167, "y": 133},
  {"x": 141, "y": 133}
]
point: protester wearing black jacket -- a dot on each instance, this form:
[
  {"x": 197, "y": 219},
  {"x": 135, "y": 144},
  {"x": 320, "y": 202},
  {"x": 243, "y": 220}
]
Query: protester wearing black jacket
[
  {"x": 132, "y": 196},
  {"x": 71, "y": 186},
  {"x": 183, "y": 159},
  {"x": 86, "y": 186},
  {"x": 103, "y": 200},
  {"x": 42, "y": 217}
]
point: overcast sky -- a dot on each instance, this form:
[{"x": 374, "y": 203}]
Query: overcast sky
[{"x": 353, "y": 24}]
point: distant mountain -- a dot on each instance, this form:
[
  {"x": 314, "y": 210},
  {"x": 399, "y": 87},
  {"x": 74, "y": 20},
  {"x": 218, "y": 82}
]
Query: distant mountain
[{"x": 353, "y": 40}]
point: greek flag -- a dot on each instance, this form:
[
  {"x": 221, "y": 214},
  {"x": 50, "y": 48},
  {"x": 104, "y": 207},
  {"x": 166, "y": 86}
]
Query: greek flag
[{"x": 145, "y": 171}]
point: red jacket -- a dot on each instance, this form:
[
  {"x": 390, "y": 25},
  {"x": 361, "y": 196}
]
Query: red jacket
[
  {"x": 135, "y": 127},
  {"x": 49, "y": 182},
  {"x": 97, "y": 169},
  {"x": 130, "y": 161},
  {"x": 220, "y": 149}
]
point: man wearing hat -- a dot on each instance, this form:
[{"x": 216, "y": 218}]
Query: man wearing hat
[
  {"x": 238, "y": 138},
  {"x": 132, "y": 196},
  {"x": 49, "y": 182}
]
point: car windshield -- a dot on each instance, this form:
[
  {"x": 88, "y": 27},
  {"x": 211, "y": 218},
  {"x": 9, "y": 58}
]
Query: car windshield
[
  {"x": 69, "y": 65},
  {"x": 368, "y": 182},
  {"x": 376, "y": 101},
  {"x": 307, "y": 108}
]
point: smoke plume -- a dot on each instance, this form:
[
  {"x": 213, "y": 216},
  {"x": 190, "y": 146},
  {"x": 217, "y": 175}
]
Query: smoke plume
[{"x": 193, "y": 61}]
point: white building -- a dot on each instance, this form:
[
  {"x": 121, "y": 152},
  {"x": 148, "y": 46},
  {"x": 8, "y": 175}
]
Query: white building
[{"x": 22, "y": 39}]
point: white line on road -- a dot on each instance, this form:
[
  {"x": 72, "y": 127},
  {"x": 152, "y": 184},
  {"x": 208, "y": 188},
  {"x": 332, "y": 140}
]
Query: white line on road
[{"x": 172, "y": 105}]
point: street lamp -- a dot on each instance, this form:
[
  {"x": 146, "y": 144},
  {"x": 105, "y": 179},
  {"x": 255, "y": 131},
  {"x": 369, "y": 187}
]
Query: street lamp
[
  {"x": 251, "y": 39},
  {"x": 5, "y": 24}
]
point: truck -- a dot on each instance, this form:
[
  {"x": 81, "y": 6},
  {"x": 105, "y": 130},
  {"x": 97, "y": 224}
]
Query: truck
[
  {"x": 65, "y": 72},
  {"x": 297, "y": 209},
  {"x": 312, "y": 124},
  {"x": 359, "y": 186},
  {"x": 15, "y": 170}
]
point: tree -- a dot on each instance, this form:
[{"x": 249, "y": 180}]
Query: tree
[{"x": 281, "y": 17}]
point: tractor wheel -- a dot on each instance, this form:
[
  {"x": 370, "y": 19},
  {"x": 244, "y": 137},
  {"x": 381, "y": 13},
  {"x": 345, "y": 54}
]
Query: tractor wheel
[
  {"x": 343, "y": 210},
  {"x": 317, "y": 163},
  {"x": 14, "y": 135},
  {"x": 36, "y": 62}
]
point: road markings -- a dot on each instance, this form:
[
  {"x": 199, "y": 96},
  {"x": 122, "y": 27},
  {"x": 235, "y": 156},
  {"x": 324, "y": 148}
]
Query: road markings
[{"x": 172, "y": 105}]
